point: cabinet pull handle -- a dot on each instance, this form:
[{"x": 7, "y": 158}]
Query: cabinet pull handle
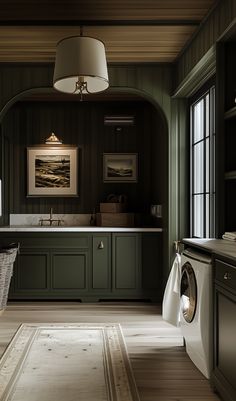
[
  {"x": 227, "y": 276},
  {"x": 101, "y": 245}
]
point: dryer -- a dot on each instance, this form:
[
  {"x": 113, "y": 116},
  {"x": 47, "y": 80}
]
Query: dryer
[{"x": 196, "y": 308}]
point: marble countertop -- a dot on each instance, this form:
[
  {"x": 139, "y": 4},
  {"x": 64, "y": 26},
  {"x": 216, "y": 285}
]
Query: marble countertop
[
  {"x": 219, "y": 247},
  {"x": 38, "y": 229}
]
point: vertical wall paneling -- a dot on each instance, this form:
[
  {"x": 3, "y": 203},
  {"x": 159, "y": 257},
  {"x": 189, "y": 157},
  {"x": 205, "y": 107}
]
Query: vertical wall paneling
[
  {"x": 178, "y": 176},
  {"x": 183, "y": 167},
  {"x": 217, "y": 22},
  {"x": 81, "y": 124},
  {"x": 152, "y": 82},
  {"x": 1, "y": 174},
  {"x": 220, "y": 139},
  {"x": 4, "y": 175}
]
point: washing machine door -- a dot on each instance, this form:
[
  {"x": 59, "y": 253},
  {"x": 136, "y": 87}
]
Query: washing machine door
[{"x": 188, "y": 293}]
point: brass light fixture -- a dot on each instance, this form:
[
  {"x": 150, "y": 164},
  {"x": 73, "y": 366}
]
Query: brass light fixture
[
  {"x": 80, "y": 66},
  {"x": 53, "y": 140}
]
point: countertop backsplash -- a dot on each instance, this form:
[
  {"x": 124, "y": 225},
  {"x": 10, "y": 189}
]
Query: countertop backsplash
[{"x": 34, "y": 219}]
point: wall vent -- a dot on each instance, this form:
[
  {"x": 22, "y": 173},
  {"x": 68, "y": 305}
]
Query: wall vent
[{"x": 118, "y": 120}]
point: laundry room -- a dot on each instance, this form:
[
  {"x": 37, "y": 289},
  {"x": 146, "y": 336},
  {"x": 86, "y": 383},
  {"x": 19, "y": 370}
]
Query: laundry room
[{"x": 117, "y": 198}]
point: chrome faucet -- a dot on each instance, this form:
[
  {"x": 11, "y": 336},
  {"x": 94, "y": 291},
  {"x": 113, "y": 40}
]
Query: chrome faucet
[{"x": 51, "y": 219}]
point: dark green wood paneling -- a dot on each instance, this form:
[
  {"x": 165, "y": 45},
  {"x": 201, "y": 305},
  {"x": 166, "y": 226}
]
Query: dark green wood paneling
[
  {"x": 126, "y": 260},
  {"x": 54, "y": 240},
  {"x": 3, "y": 209},
  {"x": 178, "y": 213},
  {"x": 225, "y": 138},
  {"x": 101, "y": 262},
  {"x": 153, "y": 82},
  {"x": 69, "y": 271},
  {"x": 129, "y": 266},
  {"x": 81, "y": 124},
  {"x": 220, "y": 139},
  {"x": 229, "y": 60},
  {"x": 152, "y": 260},
  {"x": 48, "y": 239},
  {"x": 17, "y": 78},
  {"x": 212, "y": 28},
  {"x": 200, "y": 74},
  {"x": 4, "y": 175},
  {"x": 224, "y": 374},
  {"x": 31, "y": 272}
]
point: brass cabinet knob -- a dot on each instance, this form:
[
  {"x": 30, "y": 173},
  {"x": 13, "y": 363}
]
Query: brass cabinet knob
[
  {"x": 101, "y": 245},
  {"x": 227, "y": 276}
]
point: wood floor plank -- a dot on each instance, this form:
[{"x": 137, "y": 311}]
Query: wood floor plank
[{"x": 162, "y": 369}]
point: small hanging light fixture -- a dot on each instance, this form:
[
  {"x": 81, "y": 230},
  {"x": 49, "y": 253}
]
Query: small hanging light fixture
[{"x": 80, "y": 66}]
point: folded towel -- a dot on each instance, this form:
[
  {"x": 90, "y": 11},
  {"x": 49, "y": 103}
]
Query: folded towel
[
  {"x": 230, "y": 234},
  {"x": 224, "y": 236}
]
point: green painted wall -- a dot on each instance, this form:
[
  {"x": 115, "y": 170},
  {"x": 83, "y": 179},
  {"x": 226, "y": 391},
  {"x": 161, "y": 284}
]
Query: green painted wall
[
  {"x": 82, "y": 124},
  {"x": 154, "y": 83},
  {"x": 210, "y": 31}
]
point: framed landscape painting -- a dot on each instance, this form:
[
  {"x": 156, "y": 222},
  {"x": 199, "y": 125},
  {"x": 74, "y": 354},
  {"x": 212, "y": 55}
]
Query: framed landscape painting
[
  {"x": 120, "y": 167},
  {"x": 52, "y": 171}
]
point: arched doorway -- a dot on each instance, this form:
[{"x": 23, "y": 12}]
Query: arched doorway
[{"x": 152, "y": 147}]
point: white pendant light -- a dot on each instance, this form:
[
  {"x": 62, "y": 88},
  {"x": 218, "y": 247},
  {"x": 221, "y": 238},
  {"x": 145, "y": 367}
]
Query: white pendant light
[{"x": 80, "y": 66}]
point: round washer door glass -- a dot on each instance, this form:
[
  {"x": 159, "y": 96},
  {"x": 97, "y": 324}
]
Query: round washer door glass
[{"x": 188, "y": 292}]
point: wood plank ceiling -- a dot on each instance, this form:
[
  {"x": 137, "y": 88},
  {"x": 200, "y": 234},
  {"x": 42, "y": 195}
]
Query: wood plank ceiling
[{"x": 133, "y": 30}]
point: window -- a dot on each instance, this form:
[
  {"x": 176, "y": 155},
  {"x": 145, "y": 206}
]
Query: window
[{"x": 202, "y": 161}]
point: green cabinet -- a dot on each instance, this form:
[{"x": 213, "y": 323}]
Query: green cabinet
[
  {"x": 50, "y": 266},
  {"x": 226, "y": 138},
  {"x": 69, "y": 271},
  {"x": 101, "y": 265},
  {"x": 86, "y": 266},
  {"x": 126, "y": 260},
  {"x": 50, "y": 274},
  {"x": 224, "y": 370},
  {"x": 151, "y": 260},
  {"x": 31, "y": 272}
]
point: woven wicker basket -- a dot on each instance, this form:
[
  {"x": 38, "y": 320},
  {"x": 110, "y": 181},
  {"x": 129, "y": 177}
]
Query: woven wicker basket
[{"x": 7, "y": 260}]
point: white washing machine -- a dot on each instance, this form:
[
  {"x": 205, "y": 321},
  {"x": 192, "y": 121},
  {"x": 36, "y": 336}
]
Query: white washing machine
[{"x": 196, "y": 308}]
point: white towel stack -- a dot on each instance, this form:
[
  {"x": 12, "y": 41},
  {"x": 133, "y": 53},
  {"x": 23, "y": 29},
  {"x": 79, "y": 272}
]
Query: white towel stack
[{"x": 229, "y": 235}]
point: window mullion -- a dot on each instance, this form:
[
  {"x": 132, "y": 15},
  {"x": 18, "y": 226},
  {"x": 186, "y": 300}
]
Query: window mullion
[{"x": 202, "y": 161}]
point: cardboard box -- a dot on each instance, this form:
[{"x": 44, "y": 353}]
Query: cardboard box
[
  {"x": 115, "y": 219},
  {"x": 112, "y": 207}
]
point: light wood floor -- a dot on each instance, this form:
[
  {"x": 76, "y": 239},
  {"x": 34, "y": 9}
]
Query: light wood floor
[{"x": 162, "y": 369}]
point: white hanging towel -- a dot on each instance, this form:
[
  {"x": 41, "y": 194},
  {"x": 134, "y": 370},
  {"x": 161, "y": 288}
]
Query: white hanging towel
[{"x": 171, "y": 299}]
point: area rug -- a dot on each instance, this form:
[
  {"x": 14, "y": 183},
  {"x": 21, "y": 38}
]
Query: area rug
[{"x": 67, "y": 362}]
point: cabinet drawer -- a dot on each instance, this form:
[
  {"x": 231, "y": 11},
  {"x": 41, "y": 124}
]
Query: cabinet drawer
[
  {"x": 46, "y": 241},
  {"x": 225, "y": 273}
]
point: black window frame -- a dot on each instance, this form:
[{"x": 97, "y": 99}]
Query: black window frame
[{"x": 208, "y": 225}]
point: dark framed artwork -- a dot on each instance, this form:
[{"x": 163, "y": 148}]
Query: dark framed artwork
[
  {"x": 52, "y": 171},
  {"x": 120, "y": 167}
]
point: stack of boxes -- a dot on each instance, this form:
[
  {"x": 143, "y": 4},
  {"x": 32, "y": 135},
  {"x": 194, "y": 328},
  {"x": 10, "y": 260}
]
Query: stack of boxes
[{"x": 113, "y": 214}]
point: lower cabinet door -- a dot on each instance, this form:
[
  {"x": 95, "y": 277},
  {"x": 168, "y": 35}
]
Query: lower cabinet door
[
  {"x": 69, "y": 273},
  {"x": 120, "y": 265},
  {"x": 30, "y": 275},
  {"x": 152, "y": 266},
  {"x": 101, "y": 263},
  {"x": 225, "y": 344},
  {"x": 126, "y": 263}
]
